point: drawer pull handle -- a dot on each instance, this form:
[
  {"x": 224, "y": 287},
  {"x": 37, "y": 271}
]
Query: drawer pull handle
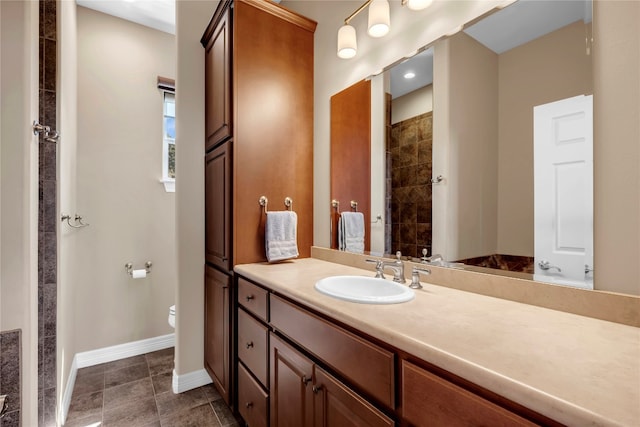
[
  {"x": 250, "y": 297},
  {"x": 249, "y": 405},
  {"x": 316, "y": 389},
  {"x": 305, "y": 380},
  {"x": 250, "y": 344}
]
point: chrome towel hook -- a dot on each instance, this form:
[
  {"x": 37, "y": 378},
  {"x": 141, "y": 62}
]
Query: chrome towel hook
[
  {"x": 263, "y": 201},
  {"x": 288, "y": 202},
  {"x": 77, "y": 219}
]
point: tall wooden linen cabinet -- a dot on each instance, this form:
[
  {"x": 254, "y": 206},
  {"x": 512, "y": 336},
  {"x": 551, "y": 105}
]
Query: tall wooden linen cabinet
[{"x": 259, "y": 142}]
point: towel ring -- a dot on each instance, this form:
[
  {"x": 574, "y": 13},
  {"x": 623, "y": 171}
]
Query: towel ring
[
  {"x": 354, "y": 205},
  {"x": 263, "y": 201},
  {"x": 288, "y": 202}
]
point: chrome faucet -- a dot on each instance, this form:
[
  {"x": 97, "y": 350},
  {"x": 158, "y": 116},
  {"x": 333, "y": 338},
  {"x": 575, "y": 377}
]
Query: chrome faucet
[
  {"x": 429, "y": 259},
  {"x": 396, "y": 266},
  {"x": 379, "y": 268},
  {"x": 415, "y": 276}
]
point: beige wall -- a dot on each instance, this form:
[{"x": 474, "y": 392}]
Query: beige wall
[
  {"x": 547, "y": 69},
  {"x": 465, "y": 148},
  {"x": 412, "y": 104},
  {"x": 192, "y": 18},
  {"x": 118, "y": 191},
  {"x": 19, "y": 189},
  {"x": 616, "y": 55}
]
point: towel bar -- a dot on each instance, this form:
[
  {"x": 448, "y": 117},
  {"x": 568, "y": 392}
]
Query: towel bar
[{"x": 354, "y": 205}]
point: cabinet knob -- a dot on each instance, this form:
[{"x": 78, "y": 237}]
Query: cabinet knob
[
  {"x": 250, "y": 344},
  {"x": 316, "y": 389},
  {"x": 249, "y": 405},
  {"x": 250, "y": 297},
  {"x": 305, "y": 380}
]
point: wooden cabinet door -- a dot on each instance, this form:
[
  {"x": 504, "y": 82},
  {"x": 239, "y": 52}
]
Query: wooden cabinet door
[
  {"x": 337, "y": 405},
  {"x": 218, "y": 83},
  {"x": 217, "y": 189},
  {"x": 217, "y": 329},
  {"x": 290, "y": 388},
  {"x": 428, "y": 400}
]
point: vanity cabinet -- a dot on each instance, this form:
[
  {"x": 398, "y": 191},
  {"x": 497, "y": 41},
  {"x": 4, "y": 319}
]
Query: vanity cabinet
[
  {"x": 279, "y": 365},
  {"x": 258, "y": 142},
  {"x": 322, "y": 373}
]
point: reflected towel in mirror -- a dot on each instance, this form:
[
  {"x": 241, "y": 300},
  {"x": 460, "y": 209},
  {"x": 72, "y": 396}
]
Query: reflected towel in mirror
[
  {"x": 281, "y": 240},
  {"x": 351, "y": 232}
]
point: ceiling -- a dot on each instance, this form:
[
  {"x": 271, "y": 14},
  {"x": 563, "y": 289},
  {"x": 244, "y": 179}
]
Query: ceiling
[
  {"x": 517, "y": 24},
  {"x": 157, "y": 14}
]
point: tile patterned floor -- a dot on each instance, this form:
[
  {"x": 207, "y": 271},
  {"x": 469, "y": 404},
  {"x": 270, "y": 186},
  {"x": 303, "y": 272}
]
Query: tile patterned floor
[{"x": 136, "y": 392}]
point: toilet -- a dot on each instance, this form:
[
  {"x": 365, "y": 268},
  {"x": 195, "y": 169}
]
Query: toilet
[{"x": 172, "y": 316}]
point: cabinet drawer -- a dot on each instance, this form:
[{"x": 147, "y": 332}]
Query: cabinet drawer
[
  {"x": 253, "y": 298},
  {"x": 252, "y": 400},
  {"x": 252, "y": 345},
  {"x": 362, "y": 363},
  {"x": 429, "y": 400}
]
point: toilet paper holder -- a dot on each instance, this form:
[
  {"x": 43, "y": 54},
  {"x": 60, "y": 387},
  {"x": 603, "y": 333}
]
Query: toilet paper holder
[{"x": 129, "y": 267}]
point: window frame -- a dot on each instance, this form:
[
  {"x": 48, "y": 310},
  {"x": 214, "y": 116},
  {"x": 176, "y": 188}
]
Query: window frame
[{"x": 167, "y": 89}]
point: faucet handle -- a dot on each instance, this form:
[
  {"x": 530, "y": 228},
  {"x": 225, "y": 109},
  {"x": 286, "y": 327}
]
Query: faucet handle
[
  {"x": 415, "y": 277},
  {"x": 379, "y": 267}
]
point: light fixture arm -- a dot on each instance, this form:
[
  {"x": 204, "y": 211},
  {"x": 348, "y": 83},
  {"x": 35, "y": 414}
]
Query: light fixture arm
[{"x": 357, "y": 11}]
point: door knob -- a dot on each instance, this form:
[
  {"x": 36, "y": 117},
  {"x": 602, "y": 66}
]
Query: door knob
[{"x": 546, "y": 265}]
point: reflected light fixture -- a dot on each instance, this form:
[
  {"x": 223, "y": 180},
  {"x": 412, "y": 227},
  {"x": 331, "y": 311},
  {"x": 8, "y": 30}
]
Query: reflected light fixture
[
  {"x": 378, "y": 25},
  {"x": 409, "y": 75}
]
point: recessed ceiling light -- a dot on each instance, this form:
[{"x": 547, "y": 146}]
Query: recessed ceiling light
[{"x": 409, "y": 75}]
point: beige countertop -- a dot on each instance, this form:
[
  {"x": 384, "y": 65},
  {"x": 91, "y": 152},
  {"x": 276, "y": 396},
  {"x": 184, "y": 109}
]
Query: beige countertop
[{"x": 576, "y": 370}]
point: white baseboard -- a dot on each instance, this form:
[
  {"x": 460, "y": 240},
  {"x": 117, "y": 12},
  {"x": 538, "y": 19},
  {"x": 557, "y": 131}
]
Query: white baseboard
[
  {"x": 190, "y": 380},
  {"x": 122, "y": 351},
  {"x": 109, "y": 354}
]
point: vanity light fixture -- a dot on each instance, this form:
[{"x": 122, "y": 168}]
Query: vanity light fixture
[
  {"x": 417, "y": 4},
  {"x": 379, "y": 20},
  {"x": 378, "y": 24}
]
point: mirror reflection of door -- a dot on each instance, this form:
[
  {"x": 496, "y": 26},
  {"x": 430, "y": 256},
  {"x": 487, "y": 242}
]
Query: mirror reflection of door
[
  {"x": 351, "y": 156},
  {"x": 563, "y": 164}
]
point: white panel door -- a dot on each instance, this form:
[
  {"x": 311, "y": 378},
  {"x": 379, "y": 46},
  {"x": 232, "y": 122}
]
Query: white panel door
[{"x": 563, "y": 191}]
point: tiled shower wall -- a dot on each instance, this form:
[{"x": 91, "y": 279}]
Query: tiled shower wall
[
  {"x": 10, "y": 383},
  {"x": 47, "y": 252},
  {"x": 410, "y": 147}
]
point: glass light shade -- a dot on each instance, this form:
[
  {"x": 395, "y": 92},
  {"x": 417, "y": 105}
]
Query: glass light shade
[
  {"x": 418, "y": 4},
  {"x": 347, "y": 44},
  {"x": 379, "y": 21}
]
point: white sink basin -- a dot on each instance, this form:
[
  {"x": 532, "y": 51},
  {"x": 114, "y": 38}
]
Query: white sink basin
[{"x": 367, "y": 290}]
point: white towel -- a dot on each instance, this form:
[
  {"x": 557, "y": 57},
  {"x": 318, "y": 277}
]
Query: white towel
[
  {"x": 281, "y": 241},
  {"x": 351, "y": 232}
]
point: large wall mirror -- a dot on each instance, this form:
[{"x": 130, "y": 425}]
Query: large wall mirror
[{"x": 488, "y": 146}]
